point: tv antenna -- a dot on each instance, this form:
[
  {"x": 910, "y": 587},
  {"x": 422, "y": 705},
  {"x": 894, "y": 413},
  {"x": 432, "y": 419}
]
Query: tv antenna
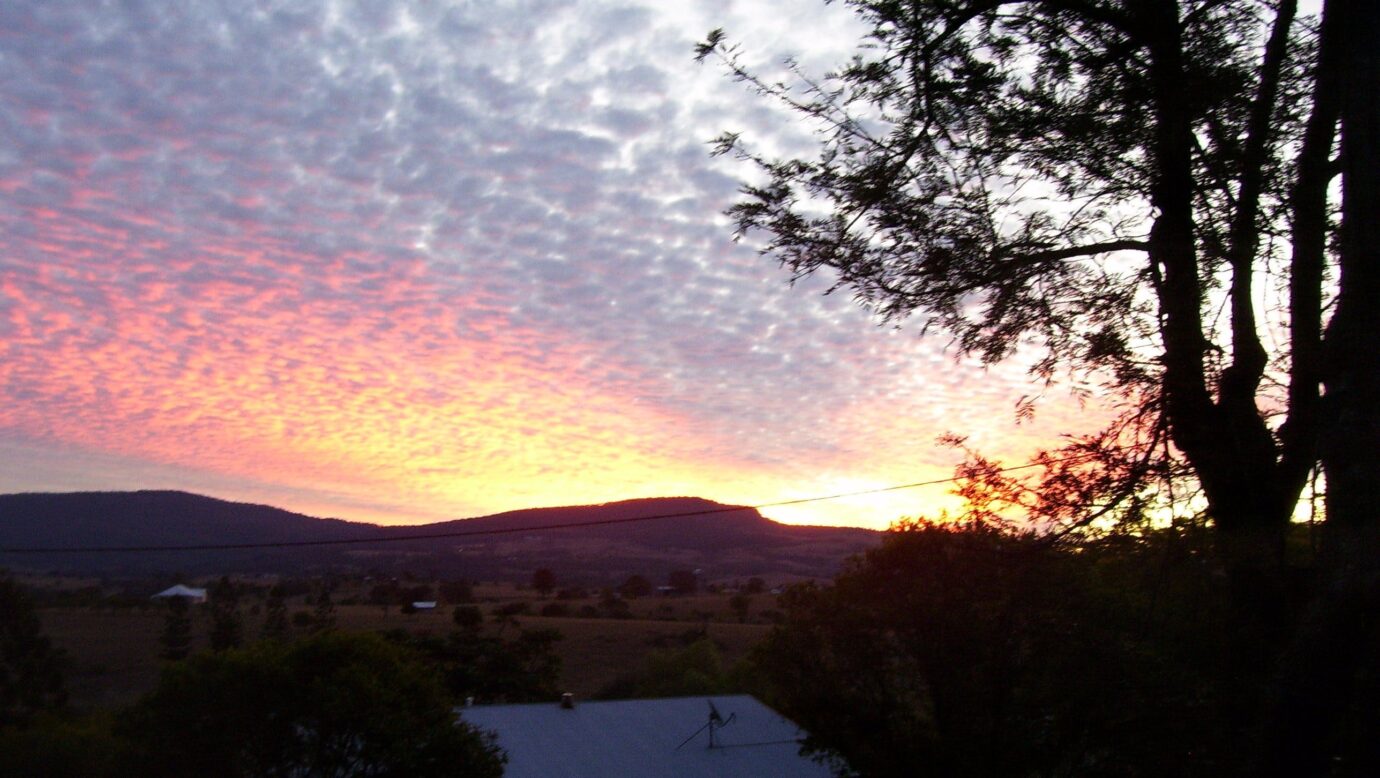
[{"x": 716, "y": 721}]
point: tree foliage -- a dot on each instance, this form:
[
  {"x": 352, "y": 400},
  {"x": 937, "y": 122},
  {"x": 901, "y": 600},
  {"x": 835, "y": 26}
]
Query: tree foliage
[
  {"x": 683, "y": 581},
  {"x": 30, "y": 668},
  {"x": 275, "y": 626},
  {"x": 332, "y": 704},
  {"x": 977, "y": 651},
  {"x": 491, "y": 668},
  {"x": 223, "y": 606},
  {"x": 1176, "y": 199},
  {"x": 54, "y": 746},
  {"x": 323, "y": 611},
  {"x": 693, "y": 669},
  {"x": 1136, "y": 192},
  {"x": 636, "y": 586},
  {"x": 543, "y": 580},
  {"x": 176, "y": 637}
]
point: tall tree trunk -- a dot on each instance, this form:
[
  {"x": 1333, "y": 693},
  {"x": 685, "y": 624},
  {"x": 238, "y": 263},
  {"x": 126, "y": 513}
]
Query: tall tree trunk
[
  {"x": 1227, "y": 442},
  {"x": 1317, "y": 698},
  {"x": 1351, "y": 371}
]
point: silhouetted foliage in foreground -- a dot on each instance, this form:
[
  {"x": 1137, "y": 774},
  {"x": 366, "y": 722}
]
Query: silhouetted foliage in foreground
[
  {"x": 490, "y": 667},
  {"x": 979, "y": 652},
  {"x": 694, "y": 669},
  {"x": 30, "y": 668},
  {"x": 332, "y": 704}
]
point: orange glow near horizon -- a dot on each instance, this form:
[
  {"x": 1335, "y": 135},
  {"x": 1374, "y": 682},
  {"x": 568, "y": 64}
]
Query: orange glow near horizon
[
  {"x": 321, "y": 270},
  {"x": 409, "y": 413}
]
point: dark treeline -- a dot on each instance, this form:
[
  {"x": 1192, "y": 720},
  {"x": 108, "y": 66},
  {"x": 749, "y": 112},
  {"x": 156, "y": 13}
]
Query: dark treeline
[
  {"x": 297, "y": 699},
  {"x": 978, "y": 651}
]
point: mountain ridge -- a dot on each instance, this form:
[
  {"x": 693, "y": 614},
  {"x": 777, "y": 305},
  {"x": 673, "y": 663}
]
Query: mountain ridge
[{"x": 610, "y": 537}]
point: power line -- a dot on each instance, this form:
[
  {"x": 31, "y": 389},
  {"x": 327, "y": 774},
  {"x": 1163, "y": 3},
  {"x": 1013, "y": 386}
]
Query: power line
[{"x": 513, "y": 530}]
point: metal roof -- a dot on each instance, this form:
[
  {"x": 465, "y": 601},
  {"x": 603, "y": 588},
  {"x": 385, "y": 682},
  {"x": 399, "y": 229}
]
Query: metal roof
[
  {"x": 645, "y": 737},
  {"x": 181, "y": 590}
]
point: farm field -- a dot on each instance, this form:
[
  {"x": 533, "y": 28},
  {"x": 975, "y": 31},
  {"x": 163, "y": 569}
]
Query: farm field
[{"x": 113, "y": 653}]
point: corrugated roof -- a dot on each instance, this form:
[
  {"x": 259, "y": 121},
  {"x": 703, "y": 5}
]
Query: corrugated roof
[{"x": 640, "y": 738}]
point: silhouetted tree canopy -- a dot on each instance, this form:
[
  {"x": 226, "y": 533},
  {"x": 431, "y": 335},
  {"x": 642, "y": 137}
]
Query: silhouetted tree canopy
[
  {"x": 275, "y": 626},
  {"x": 1133, "y": 192},
  {"x": 636, "y": 586},
  {"x": 30, "y": 668},
  {"x": 1177, "y": 200},
  {"x": 695, "y": 669},
  {"x": 974, "y": 651},
  {"x": 223, "y": 605},
  {"x": 491, "y": 667},
  {"x": 323, "y": 610},
  {"x": 332, "y": 704},
  {"x": 543, "y": 580},
  {"x": 683, "y": 581},
  {"x": 176, "y": 637}
]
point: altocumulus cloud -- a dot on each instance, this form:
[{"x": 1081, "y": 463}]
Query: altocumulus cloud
[{"x": 412, "y": 261}]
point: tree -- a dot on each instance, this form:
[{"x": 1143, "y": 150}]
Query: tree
[
  {"x": 275, "y": 625},
  {"x": 683, "y": 581},
  {"x": 331, "y": 704},
  {"x": 227, "y": 627},
  {"x": 176, "y": 638},
  {"x": 1139, "y": 193},
  {"x": 696, "y": 669},
  {"x": 978, "y": 651},
  {"x": 543, "y": 580},
  {"x": 323, "y": 612},
  {"x": 635, "y": 586},
  {"x": 740, "y": 602},
  {"x": 1093, "y": 180},
  {"x": 491, "y": 668},
  {"x": 30, "y": 668},
  {"x": 385, "y": 594}
]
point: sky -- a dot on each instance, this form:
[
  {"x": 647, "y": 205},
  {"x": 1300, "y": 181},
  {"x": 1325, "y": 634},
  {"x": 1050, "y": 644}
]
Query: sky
[{"x": 408, "y": 262}]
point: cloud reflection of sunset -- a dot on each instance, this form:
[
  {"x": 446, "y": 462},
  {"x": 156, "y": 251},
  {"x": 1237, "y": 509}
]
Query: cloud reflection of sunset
[{"x": 339, "y": 261}]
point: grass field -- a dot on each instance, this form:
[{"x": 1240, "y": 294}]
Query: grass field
[{"x": 113, "y": 654}]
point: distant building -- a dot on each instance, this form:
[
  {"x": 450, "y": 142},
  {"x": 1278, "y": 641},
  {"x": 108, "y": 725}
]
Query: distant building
[
  {"x": 724, "y": 736},
  {"x": 194, "y": 595}
]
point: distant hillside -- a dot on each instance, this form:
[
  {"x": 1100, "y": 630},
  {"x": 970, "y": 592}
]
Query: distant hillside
[{"x": 695, "y": 533}]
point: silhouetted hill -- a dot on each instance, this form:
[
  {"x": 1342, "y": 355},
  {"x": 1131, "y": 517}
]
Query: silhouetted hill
[
  {"x": 693, "y": 533},
  {"x": 154, "y": 518}
]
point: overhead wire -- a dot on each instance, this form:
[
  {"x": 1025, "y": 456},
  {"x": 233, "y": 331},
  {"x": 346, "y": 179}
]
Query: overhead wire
[{"x": 511, "y": 530}]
